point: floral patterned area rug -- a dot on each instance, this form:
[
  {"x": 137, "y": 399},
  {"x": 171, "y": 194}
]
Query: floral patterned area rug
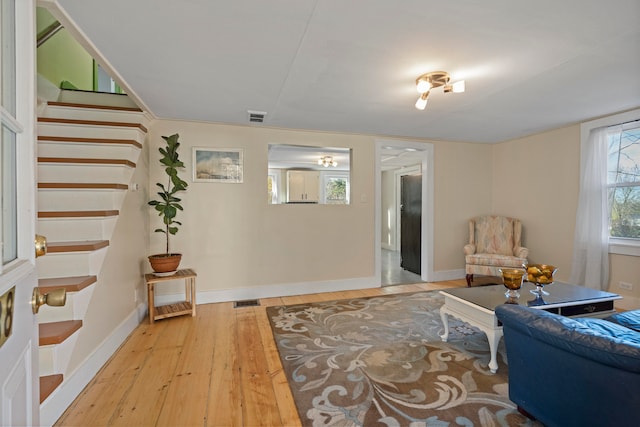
[{"x": 379, "y": 361}]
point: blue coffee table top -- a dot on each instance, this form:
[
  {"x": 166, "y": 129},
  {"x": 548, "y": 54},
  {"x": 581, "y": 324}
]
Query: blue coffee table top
[{"x": 560, "y": 294}]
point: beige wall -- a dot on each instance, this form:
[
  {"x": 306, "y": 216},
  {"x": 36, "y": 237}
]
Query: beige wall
[
  {"x": 536, "y": 179},
  {"x": 624, "y": 268},
  {"x": 234, "y": 239},
  {"x": 462, "y": 190}
]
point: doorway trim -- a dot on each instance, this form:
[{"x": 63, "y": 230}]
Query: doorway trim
[{"x": 427, "y": 150}]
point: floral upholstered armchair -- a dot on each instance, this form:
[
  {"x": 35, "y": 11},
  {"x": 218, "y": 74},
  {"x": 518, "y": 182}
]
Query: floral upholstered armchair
[{"x": 494, "y": 242}]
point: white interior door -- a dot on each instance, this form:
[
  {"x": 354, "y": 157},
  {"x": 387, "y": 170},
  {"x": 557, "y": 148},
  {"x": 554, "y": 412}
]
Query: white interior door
[
  {"x": 19, "y": 391},
  {"x": 19, "y": 379}
]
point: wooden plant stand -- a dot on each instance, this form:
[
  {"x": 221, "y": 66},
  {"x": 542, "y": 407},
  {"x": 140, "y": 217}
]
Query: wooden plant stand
[{"x": 176, "y": 309}]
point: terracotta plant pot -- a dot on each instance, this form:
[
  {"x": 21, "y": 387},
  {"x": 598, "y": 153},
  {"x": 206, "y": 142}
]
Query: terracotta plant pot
[{"x": 164, "y": 263}]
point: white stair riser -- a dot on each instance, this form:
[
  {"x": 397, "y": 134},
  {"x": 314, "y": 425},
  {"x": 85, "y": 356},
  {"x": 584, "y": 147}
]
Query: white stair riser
[
  {"x": 54, "y": 359},
  {"x": 48, "y": 314},
  {"x": 47, "y": 360},
  {"x": 66, "y": 229},
  {"x": 92, "y": 98},
  {"x": 75, "y": 113},
  {"x": 79, "y": 200},
  {"x": 57, "y": 172},
  {"x": 70, "y": 264},
  {"x": 75, "y": 307},
  {"x": 87, "y": 131},
  {"x": 88, "y": 150}
]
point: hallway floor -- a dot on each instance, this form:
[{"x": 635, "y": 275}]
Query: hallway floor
[{"x": 392, "y": 273}]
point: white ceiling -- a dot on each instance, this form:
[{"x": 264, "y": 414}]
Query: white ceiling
[
  {"x": 350, "y": 66},
  {"x": 284, "y": 156}
]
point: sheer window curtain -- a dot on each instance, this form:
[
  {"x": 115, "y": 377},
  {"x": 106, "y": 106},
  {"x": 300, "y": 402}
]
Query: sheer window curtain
[{"x": 591, "y": 241}]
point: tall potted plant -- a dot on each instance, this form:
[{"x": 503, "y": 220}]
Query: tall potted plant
[{"x": 168, "y": 204}]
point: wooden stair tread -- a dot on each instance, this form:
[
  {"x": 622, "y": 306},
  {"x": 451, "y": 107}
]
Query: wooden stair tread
[
  {"x": 48, "y": 383},
  {"x": 93, "y": 106},
  {"x": 70, "y": 284},
  {"x": 57, "y": 332},
  {"x": 78, "y": 214},
  {"x": 74, "y": 160},
  {"x": 76, "y": 246},
  {"x": 82, "y": 186},
  {"x": 73, "y": 139},
  {"x": 91, "y": 123}
]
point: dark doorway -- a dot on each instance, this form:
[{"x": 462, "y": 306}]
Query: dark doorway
[{"x": 411, "y": 222}]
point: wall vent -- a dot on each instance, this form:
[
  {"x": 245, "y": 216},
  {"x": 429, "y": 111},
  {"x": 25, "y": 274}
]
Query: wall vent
[
  {"x": 246, "y": 303},
  {"x": 256, "y": 116}
]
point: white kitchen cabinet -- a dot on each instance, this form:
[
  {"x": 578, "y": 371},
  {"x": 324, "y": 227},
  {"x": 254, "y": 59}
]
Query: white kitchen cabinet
[{"x": 303, "y": 186}]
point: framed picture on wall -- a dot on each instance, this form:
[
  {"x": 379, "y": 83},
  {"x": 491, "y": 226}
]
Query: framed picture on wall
[{"x": 217, "y": 165}]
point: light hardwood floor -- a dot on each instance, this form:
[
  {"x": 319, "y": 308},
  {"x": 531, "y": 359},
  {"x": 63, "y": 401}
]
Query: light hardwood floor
[{"x": 220, "y": 368}]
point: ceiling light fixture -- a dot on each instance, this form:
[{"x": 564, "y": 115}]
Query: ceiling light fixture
[
  {"x": 327, "y": 161},
  {"x": 421, "y": 103},
  {"x": 428, "y": 81}
]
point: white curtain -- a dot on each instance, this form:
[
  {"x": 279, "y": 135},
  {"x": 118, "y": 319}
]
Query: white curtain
[{"x": 591, "y": 242}]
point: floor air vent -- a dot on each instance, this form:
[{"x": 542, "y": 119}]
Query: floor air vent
[{"x": 246, "y": 303}]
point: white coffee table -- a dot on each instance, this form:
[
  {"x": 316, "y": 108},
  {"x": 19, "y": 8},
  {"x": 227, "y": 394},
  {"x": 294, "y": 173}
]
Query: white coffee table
[{"x": 475, "y": 305}]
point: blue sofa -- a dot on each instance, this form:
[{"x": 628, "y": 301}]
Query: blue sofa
[{"x": 573, "y": 371}]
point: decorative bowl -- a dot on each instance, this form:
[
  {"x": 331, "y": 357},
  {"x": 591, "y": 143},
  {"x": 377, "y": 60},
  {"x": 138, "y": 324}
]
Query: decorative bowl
[
  {"x": 512, "y": 279},
  {"x": 541, "y": 273}
]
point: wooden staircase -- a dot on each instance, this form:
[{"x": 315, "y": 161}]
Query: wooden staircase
[{"x": 87, "y": 155}]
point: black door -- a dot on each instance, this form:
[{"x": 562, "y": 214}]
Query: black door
[{"x": 411, "y": 222}]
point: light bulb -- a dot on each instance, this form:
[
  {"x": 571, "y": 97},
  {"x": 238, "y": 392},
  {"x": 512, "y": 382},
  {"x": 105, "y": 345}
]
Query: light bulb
[
  {"x": 458, "y": 87},
  {"x": 423, "y": 85},
  {"x": 421, "y": 103}
]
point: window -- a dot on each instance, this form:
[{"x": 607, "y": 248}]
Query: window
[
  {"x": 272, "y": 188},
  {"x": 335, "y": 188},
  {"x": 102, "y": 82},
  {"x": 623, "y": 181},
  {"x": 9, "y": 196},
  {"x": 10, "y": 128},
  {"x": 608, "y": 176}
]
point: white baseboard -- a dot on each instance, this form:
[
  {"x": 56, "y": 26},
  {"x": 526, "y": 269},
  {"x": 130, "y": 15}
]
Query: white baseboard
[
  {"x": 441, "y": 276},
  {"x": 55, "y": 405},
  {"x": 289, "y": 289}
]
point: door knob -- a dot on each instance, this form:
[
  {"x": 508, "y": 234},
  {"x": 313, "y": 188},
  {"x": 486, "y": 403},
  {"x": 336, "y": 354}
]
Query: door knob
[
  {"x": 55, "y": 298},
  {"x": 41, "y": 245}
]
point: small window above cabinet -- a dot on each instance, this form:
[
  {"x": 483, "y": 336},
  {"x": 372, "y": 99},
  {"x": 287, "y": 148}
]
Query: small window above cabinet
[{"x": 306, "y": 174}]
